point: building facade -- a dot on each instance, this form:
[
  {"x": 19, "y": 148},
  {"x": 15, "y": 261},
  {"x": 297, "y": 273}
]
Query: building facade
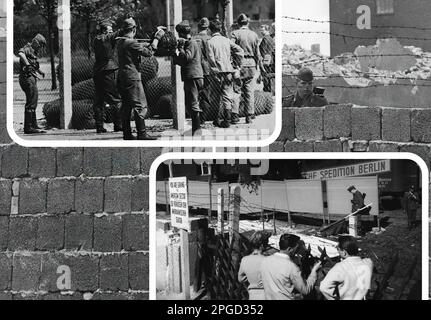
[{"x": 361, "y": 22}]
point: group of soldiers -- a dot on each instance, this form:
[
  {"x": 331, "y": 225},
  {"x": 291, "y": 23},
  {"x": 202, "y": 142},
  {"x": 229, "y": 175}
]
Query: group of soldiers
[{"x": 216, "y": 71}]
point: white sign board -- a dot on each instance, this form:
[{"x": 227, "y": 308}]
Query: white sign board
[
  {"x": 354, "y": 170},
  {"x": 179, "y": 203}
]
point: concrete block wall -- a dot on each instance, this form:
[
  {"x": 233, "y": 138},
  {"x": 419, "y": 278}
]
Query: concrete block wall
[
  {"x": 86, "y": 209},
  {"x": 350, "y": 128}
]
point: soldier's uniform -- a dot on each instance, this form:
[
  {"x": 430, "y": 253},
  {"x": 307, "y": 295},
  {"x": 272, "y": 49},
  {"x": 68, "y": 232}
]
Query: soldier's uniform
[
  {"x": 294, "y": 101},
  {"x": 411, "y": 204},
  {"x": 248, "y": 40},
  {"x": 190, "y": 60},
  {"x": 267, "y": 51},
  {"x": 28, "y": 83},
  {"x": 310, "y": 100},
  {"x": 129, "y": 82},
  {"x": 105, "y": 79},
  {"x": 202, "y": 39}
]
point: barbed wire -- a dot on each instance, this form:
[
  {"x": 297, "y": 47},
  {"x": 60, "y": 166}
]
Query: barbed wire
[
  {"x": 355, "y": 37},
  {"x": 373, "y": 75},
  {"x": 354, "y": 24}
]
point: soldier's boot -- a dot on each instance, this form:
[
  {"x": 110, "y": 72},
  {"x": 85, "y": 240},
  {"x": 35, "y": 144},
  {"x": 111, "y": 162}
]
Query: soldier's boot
[
  {"x": 34, "y": 121},
  {"x": 249, "y": 119},
  {"x": 28, "y": 119},
  {"x": 118, "y": 126},
  {"x": 196, "y": 123},
  {"x": 98, "y": 117},
  {"x": 235, "y": 118},
  {"x": 127, "y": 130},
  {"x": 141, "y": 128},
  {"x": 227, "y": 119}
]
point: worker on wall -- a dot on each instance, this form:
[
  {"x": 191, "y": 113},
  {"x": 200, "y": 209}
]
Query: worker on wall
[{"x": 411, "y": 204}]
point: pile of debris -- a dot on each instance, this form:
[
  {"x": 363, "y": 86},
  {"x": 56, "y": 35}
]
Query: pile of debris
[
  {"x": 392, "y": 75},
  {"x": 384, "y": 62}
]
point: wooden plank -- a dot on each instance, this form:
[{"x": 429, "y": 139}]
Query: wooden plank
[{"x": 185, "y": 264}]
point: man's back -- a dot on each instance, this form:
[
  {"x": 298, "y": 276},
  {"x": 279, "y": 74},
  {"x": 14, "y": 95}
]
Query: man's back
[
  {"x": 351, "y": 278},
  {"x": 219, "y": 54},
  {"x": 280, "y": 277},
  {"x": 104, "y": 46},
  {"x": 248, "y": 40}
]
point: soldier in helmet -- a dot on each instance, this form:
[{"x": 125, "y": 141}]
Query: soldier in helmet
[
  {"x": 304, "y": 95},
  {"x": 248, "y": 40},
  {"x": 105, "y": 77},
  {"x": 28, "y": 76},
  {"x": 129, "y": 82}
]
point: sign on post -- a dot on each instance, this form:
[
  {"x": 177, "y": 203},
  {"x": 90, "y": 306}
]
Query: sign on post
[{"x": 179, "y": 203}]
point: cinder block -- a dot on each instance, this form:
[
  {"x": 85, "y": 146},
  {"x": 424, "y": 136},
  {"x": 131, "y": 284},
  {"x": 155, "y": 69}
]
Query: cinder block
[
  {"x": 97, "y": 162},
  {"x": 4, "y": 233},
  {"x": 360, "y": 146},
  {"x": 298, "y": 146},
  {"x": 5, "y": 271},
  {"x": 140, "y": 194},
  {"x": 4, "y": 135},
  {"x": 118, "y": 194},
  {"x": 277, "y": 146},
  {"x": 22, "y": 233},
  {"x": 32, "y": 196},
  {"x": 126, "y": 161},
  {"x": 148, "y": 156},
  {"x": 61, "y": 196},
  {"x": 50, "y": 233},
  {"x": 76, "y": 296},
  {"x": 42, "y": 162},
  {"x": 337, "y": 121},
  {"x": 26, "y": 272},
  {"x": 379, "y": 146},
  {"x": 79, "y": 232},
  {"x": 366, "y": 123},
  {"x": 114, "y": 273},
  {"x": 5, "y": 197},
  {"x": 112, "y": 296},
  {"x": 138, "y": 271},
  {"x": 421, "y": 128},
  {"x": 107, "y": 234},
  {"x": 14, "y": 162},
  {"x": 328, "y": 146},
  {"x": 135, "y": 235},
  {"x": 422, "y": 150},
  {"x": 396, "y": 124},
  {"x": 288, "y": 125},
  {"x": 89, "y": 195},
  {"x": 6, "y": 296},
  {"x": 69, "y": 162},
  {"x": 309, "y": 123},
  {"x": 84, "y": 272}
]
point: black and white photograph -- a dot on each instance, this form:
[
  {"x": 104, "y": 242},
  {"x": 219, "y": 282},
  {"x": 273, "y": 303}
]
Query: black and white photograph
[
  {"x": 296, "y": 229},
  {"x": 357, "y": 71},
  {"x": 87, "y": 70}
]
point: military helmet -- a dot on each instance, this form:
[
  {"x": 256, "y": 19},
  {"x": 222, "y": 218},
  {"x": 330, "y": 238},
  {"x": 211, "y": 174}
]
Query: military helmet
[
  {"x": 305, "y": 74},
  {"x": 40, "y": 39},
  {"x": 129, "y": 24},
  {"x": 183, "y": 27},
  {"x": 351, "y": 188}
]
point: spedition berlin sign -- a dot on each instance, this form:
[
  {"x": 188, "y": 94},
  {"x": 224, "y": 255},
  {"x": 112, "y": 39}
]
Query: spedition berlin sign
[
  {"x": 179, "y": 203},
  {"x": 354, "y": 170}
]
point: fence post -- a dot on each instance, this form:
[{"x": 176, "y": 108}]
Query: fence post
[
  {"x": 175, "y": 16},
  {"x": 220, "y": 211},
  {"x": 234, "y": 213},
  {"x": 66, "y": 63},
  {"x": 229, "y": 16}
]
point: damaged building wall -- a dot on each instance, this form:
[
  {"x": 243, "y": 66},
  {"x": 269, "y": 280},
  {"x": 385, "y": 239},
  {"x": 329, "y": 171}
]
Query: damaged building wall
[{"x": 407, "y": 22}]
